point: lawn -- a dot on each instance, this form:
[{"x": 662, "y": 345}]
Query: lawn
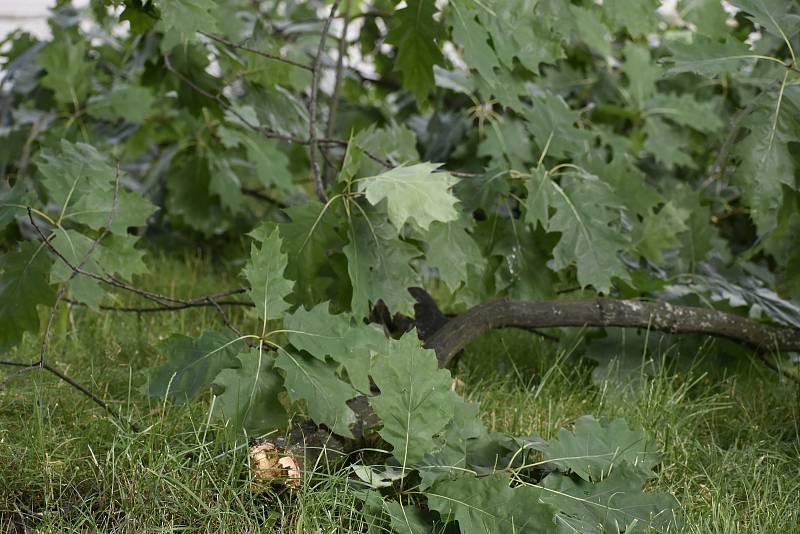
[{"x": 730, "y": 434}]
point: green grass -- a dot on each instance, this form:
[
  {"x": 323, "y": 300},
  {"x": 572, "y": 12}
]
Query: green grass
[{"x": 730, "y": 436}]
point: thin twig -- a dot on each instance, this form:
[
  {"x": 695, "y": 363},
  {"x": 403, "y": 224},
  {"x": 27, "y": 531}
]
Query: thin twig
[
  {"x": 255, "y": 193},
  {"x": 225, "y": 318},
  {"x": 313, "y": 146},
  {"x": 167, "y": 308},
  {"x": 97, "y": 400},
  {"x": 337, "y": 87},
  {"x": 63, "y": 287},
  {"x": 266, "y": 132},
  {"x": 255, "y": 51},
  {"x": 76, "y": 270}
]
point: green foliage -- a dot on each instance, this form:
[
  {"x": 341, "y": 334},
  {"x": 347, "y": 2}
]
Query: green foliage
[
  {"x": 264, "y": 272},
  {"x": 413, "y": 192},
  {"x": 415, "y": 402},
  {"x": 595, "y": 449},
  {"x": 23, "y": 287},
  {"x": 489, "y": 504},
  {"x": 249, "y": 394},
  {"x": 416, "y": 36},
  {"x": 508, "y": 148},
  {"x": 193, "y": 364}
]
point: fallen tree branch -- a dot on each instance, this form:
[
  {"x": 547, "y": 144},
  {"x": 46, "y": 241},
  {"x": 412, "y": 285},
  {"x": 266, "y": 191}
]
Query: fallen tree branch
[{"x": 455, "y": 334}]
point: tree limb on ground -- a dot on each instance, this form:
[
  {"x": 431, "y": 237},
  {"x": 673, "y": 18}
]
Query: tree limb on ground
[{"x": 449, "y": 336}]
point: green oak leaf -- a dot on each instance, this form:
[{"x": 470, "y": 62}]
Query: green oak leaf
[
  {"x": 119, "y": 256},
  {"x": 637, "y": 17},
  {"x": 766, "y": 165},
  {"x": 415, "y": 403},
  {"x": 95, "y": 207},
  {"x": 131, "y": 103},
  {"x": 451, "y": 249},
  {"x": 707, "y": 56},
  {"x": 325, "y": 394},
  {"x": 413, "y": 192},
  {"x": 193, "y": 363},
  {"x": 583, "y": 214},
  {"x": 529, "y": 33},
  {"x": 553, "y": 124},
  {"x": 686, "y": 111},
  {"x": 188, "y": 199},
  {"x": 69, "y": 72},
  {"x": 458, "y": 440},
  {"x": 186, "y": 17},
  {"x": 74, "y": 246},
  {"x": 73, "y": 171},
  {"x": 641, "y": 71},
  {"x": 523, "y": 252},
  {"x": 13, "y": 201},
  {"x": 395, "y": 143},
  {"x": 249, "y": 394},
  {"x": 592, "y": 29},
  {"x": 270, "y": 164},
  {"x": 474, "y": 39},
  {"x": 490, "y": 504},
  {"x": 381, "y": 514},
  {"x": 23, "y": 286},
  {"x": 225, "y": 184},
  {"x": 596, "y": 448},
  {"x": 406, "y": 519},
  {"x": 615, "y": 504},
  {"x": 379, "y": 266},
  {"x": 773, "y": 15},
  {"x": 416, "y": 35},
  {"x": 666, "y": 143},
  {"x": 141, "y": 14},
  {"x": 660, "y": 230},
  {"x": 309, "y": 239},
  {"x": 268, "y": 287},
  {"x": 708, "y": 16},
  {"x": 507, "y": 144},
  {"x": 322, "y": 334}
]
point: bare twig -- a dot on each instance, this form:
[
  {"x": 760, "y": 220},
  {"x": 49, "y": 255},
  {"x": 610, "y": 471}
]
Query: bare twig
[
  {"x": 255, "y": 51},
  {"x": 76, "y": 270},
  {"x": 337, "y": 87},
  {"x": 313, "y": 144},
  {"x": 167, "y": 308},
  {"x": 255, "y": 193},
  {"x": 97, "y": 400},
  {"x": 63, "y": 287},
  {"x": 266, "y": 132},
  {"x": 224, "y": 315}
]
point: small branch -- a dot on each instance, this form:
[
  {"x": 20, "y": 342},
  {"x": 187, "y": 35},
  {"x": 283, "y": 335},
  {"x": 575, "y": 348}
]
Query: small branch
[
  {"x": 224, "y": 315},
  {"x": 337, "y": 87},
  {"x": 168, "y": 308},
  {"x": 266, "y": 132},
  {"x": 165, "y": 302},
  {"x": 257, "y": 52},
  {"x": 97, "y": 400},
  {"x": 313, "y": 146},
  {"x": 76, "y": 270},
  {"x": 255, "y": 193},
  {"x": 457, "y": 333}
]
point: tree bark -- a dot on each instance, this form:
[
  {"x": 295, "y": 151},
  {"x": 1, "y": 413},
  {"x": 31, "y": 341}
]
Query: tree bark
[{"x": 455, "y": 334}]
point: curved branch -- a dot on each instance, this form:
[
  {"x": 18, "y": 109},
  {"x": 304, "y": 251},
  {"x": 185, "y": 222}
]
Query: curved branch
[{"x": 455, "y": 334}]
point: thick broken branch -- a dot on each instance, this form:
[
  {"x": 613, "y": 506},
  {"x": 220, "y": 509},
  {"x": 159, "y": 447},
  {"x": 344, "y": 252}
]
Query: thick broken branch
[{"x": 451, "y": 337}]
